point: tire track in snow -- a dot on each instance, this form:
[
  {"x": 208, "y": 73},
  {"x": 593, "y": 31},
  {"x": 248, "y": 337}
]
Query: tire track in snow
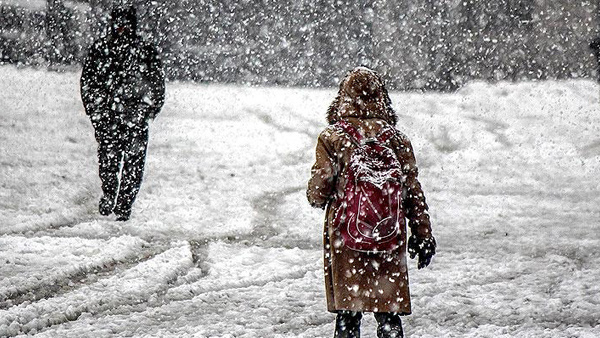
[
  {"x": 79, "y": 211},
  {"x": 268, "y": 120},
  {"x": 266, "y": 206},
  {"x": 189, "y": 291},
  {"x": 591, "y": 150},
  {"x": 264, "y": 229},
  {"x": 264, "y": 234},
  {"x": 495, "y": 128},
  {"x": 251, "y": 265},
  {"x": 133, "y": 286},
  {"x": 270, "y": 221},
  {"x": 65, "y": 280},
  {"x": 217, "y": 312},
  {"x": 35, "y": 228}
]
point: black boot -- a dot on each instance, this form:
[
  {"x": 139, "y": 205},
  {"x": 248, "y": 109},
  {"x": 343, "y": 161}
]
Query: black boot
[
  {"x": 347, "y": 324},
  {"x": 106, "y": 205},
  {"x": 389, "y": 325},
  {"x": 123, "y": 215}
]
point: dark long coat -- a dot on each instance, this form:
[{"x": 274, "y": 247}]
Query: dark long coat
[{"x": 359, "y": 281}]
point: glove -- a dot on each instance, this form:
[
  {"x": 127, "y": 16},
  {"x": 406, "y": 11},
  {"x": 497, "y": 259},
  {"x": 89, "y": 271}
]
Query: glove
[{"x": 425, "y": 248}]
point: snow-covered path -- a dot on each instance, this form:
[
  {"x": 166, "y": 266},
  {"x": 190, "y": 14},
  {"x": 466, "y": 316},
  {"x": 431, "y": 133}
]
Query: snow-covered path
[{"x": 223, "y": 244}]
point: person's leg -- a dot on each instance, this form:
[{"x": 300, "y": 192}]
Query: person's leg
[
  {"x": 109, "y": 158},
  {"x": 347, "y": 324},
  {"x": 135, "y": 145},
  {"x": 389, "y": 325}
]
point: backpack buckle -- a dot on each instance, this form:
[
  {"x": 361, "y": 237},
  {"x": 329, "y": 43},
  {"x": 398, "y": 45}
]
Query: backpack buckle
[{"x": 370, "y": 140}]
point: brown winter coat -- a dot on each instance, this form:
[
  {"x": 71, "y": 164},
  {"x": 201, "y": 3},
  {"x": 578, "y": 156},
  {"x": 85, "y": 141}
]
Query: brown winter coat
[{"x": 359, "y": 281}]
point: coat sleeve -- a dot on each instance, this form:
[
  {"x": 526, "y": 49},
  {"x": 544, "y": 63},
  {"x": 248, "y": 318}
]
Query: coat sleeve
[
  {"x": 414, "y": 203},
  {"x": 156, "y": 78},
  {"x": 321, "y": 186},
  {"x": 94, "y": 92}
]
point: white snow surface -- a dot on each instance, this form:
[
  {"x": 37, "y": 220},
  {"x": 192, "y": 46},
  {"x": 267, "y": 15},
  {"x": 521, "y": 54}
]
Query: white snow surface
[{"x": 222, "y": 242}]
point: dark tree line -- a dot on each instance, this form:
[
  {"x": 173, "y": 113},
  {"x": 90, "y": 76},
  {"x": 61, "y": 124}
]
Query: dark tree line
[{"x": 424, "y": 44}]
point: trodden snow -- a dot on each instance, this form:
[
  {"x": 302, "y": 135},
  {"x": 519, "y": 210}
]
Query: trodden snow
[{"x": 222, "y": 242}]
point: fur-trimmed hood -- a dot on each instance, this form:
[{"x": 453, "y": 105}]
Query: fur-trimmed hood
[{"x": 362, "y": 94}]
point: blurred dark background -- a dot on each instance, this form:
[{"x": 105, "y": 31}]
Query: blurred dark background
[{"x": 415, "y": 44}]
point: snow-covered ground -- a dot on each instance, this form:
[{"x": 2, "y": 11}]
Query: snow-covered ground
[{"x": 223, "y": 244}]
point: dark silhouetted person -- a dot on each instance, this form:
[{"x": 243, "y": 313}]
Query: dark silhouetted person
[{"x": 122, "y": 89}]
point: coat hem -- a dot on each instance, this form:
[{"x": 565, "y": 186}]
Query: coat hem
[{"x": 368, "y": 311}]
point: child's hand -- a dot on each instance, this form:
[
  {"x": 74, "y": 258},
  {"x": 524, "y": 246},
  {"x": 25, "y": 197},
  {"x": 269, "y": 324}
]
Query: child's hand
[{"x": 425, "y": 248}]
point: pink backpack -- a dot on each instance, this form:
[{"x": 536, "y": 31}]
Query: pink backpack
[{"x": 369, "y": 214}]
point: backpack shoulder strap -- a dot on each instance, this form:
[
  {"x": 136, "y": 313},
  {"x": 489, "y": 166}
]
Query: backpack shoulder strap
[
  {"x": 386, "y": 134},
  {"x": 349, "y": 129}
]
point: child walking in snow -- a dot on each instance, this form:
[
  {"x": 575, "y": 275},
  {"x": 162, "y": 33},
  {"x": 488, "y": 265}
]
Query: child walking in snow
[{"x": 365, "y": 176}]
